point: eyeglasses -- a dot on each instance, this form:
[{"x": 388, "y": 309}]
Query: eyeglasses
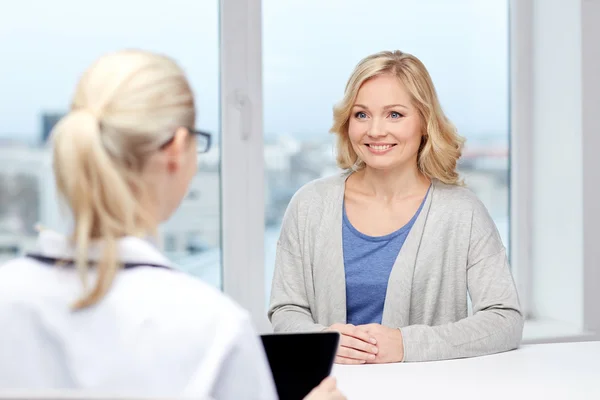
[{"x": 203, "y": 140}]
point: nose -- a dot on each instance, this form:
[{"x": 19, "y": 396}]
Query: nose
[{"x": 376, "y": 130}]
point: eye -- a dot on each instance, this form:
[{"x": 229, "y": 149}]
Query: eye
[
  {"x": 395, "y": 115},
  {"x": 360, "y": 115}
]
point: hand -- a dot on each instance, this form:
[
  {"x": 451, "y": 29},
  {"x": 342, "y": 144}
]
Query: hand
[
  {"x": 356, "y": 345},
  {"x": 327, "y": 390},
  {"x": 389, "y": 342}
]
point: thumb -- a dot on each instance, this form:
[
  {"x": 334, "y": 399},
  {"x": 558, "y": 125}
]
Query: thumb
[{"x": 328, "y": 383}]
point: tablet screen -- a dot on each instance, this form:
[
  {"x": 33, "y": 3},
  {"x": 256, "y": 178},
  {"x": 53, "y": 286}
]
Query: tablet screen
[{"x": 300, "y": 361}]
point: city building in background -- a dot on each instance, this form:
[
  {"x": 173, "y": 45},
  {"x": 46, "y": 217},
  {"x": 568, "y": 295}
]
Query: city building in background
[
  {"x": 49, "y": 120},
  {"x": 28, "y": 198}
]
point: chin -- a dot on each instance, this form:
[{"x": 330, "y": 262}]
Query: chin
[{"x": 383, "y": 165}]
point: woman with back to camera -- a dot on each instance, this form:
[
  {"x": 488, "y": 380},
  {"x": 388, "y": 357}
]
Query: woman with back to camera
[
  {"x": 123, "y": 159},
  {"x": 387, "y": 252}
]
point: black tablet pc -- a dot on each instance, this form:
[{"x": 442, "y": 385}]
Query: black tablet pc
[{"x": 300, "y": 361}]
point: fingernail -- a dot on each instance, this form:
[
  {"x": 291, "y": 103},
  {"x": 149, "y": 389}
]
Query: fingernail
[
  {"x": 375, "y": 350},
  {"x": 362, "y": 361},
  {"x": 373, "y": 341},
  {"x": 372, "y": 356}
]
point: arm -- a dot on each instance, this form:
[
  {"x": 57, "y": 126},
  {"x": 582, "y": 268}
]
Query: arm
[
  {"x": 289, "y": 310},
  {"x": 497, "y": 321}
]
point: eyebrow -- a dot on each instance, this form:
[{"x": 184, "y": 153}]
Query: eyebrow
[{"x": 385, "y": 108}]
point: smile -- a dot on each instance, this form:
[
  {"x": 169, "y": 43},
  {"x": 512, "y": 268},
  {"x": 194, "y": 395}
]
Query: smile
[{"x": 380, "y": 148}]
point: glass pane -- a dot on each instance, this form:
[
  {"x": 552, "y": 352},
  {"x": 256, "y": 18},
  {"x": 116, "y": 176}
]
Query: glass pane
[
  {"x": 463, "y": 43},
  {"x": 42, "y": 61}
]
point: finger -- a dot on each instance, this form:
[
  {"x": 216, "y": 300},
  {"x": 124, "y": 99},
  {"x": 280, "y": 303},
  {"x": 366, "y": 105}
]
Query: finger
[
  {"x": 349, "y": 341},
  {"x": 348, "y": 361},
  {"x": 369, "y": 328},
  {"x": 355, "y": 354},
  {"x": 354, "y": 331},
  {"x": 337, "y": 395},
  {"x": 361, "y": 334},
  {"x": 328, "y": 384}
]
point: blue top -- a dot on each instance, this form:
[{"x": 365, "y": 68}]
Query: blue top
[{"x": 368, "y": 261}]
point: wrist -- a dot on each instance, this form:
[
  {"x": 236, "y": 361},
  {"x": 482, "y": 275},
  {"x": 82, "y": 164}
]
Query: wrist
[{"x": 401, "y": 344}]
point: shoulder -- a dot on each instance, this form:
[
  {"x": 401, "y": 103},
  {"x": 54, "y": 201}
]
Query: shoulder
[
  {"x": 182, "y": 318},
  {"x": 456, "y": 199},
  {"x": 20, "y": 276},
  {"x": 158, "y": 294},
  {"x": 177, "y": 290},
  {"x": 194, "y": 314},
  {"x": 319, "y": 191},
  {"x": 458, "y": 205}
]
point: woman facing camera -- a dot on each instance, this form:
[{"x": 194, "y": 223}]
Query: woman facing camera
[
  {"x": 103, "y": 310},
  {"x": 387, "y": 252}
]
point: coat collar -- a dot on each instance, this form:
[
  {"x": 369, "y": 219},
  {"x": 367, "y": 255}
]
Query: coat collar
[{"x": 131, "y": 249}]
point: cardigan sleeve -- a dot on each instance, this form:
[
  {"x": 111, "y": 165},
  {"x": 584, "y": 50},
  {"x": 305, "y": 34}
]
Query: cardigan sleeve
[
  {"x": 289, "y": 309},
  {"x": 497, "y": 321}
]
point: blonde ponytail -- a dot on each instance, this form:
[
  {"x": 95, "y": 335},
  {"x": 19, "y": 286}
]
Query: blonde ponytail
[
  {"x": 101, "y": 200},
  {"x": 100, "y": 147}
]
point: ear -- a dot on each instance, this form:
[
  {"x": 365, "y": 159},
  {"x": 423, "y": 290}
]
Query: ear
[{"x": 176, "y": 149}]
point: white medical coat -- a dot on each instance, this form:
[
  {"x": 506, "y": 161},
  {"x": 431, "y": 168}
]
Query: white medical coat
[{"x": 157, "y": 332}]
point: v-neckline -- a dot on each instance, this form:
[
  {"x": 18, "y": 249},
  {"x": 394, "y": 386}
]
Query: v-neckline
[{"x": 401, "y": 276}]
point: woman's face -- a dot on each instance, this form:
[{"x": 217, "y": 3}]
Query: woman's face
[{"x": 385, "y": 128}]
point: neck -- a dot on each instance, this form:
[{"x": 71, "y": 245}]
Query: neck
[{"x": 390, "y": 184}]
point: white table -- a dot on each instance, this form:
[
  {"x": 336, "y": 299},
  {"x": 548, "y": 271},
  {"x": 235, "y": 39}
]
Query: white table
[{"x": 544, "y": 371}]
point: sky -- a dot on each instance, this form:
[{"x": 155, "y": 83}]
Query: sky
[{"x": 309, "y": 50}]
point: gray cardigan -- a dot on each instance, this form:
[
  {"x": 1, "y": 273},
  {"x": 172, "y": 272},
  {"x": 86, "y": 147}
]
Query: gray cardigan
[{"x": 452, "y": 251}]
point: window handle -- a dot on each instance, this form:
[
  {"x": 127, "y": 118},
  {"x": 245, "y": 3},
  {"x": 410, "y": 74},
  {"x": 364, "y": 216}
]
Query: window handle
[{"x": 243, "y": 104}]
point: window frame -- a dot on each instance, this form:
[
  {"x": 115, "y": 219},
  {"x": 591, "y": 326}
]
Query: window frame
[
  {"x": 242, "y": 156},
  {"x": 520, "y": 148},
  {"x": 590, "y": 18}
]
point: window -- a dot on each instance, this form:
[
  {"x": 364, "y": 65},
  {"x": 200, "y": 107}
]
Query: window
[
  {"x": 275, "y": 89},
  {"x": 464, "y": 45},
  {"x": 43, "y": 59}
]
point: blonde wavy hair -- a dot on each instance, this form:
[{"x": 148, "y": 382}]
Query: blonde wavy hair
[
  {"x": 125, "y": 106},
  {"x": 441, "y": 146}
]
